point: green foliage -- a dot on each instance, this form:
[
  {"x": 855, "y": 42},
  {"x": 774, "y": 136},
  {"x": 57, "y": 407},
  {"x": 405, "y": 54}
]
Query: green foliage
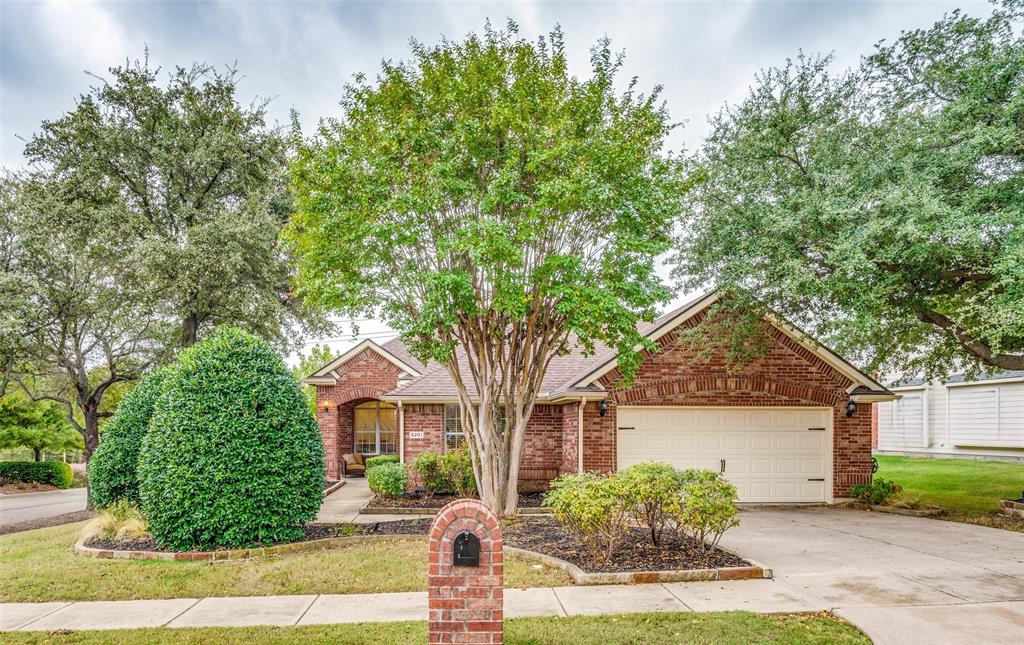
[
  {"x": 196, "y": 184},
  {"x": 122, "y": 520},
  {"x": 388, "y": 479},
  {"x": 233, "y": 457},
  {"x": 318, "y": 356},
  {"x": 113, "y": 468},
  {"x": 55, "y": 473},
  {"x": 478, "y": 194},
  {"x": 40, "y": 427},
  {"x": 655, "y": 496},
  {"x": 709, "y": 507},
  {"x": 373, "y": 462},
  {"x": 430, "y": 467},
  {"x": 594, "y": 508},
  {"x": 458, "y": 470},
  {"x": 877, "y": 492},
  {"x": 883, "y": 208}
]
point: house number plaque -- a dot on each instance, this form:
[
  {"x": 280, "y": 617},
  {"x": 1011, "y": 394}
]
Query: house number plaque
[{"x": 466, "y": 550}]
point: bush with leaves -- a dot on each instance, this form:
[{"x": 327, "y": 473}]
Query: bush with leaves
[
  {"x": 877, "y": 492},
  {"x": 373, "y": 462},
  {"x": 655, "y": 491},
  {"x": 430, "y": 467},
  {"x": 594, "y": 508},
  {"x": 389, "y": 479},
  {"x": 233, "y": 456},
  {"x": 709, "y": 507},
  {"x": 458, "y": 470},
  {"x": 55, "y": 473},
  {"x": 121, "y": 520},
  {"x": 113, "y": 468}
]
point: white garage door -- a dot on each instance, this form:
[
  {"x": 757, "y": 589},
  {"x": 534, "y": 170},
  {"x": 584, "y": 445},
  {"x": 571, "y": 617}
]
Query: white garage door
[{"x": 772, "y": 455}]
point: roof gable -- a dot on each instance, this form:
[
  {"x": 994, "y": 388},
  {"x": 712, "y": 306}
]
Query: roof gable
[{"x": 325, "y": 376}]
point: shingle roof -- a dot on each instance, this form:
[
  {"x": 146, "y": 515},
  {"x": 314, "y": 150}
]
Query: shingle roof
[{"x": 962, "y": 378}]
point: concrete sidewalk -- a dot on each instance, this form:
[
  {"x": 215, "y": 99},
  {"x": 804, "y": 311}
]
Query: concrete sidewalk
[
  {"x": 343, "y": 505},
  {"x": 764, "y": 596}
]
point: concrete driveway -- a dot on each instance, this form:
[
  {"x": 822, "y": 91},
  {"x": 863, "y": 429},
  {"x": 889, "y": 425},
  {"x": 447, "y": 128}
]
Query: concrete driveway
[
  {"x": 902, "y": 580},
  {"x": 33, "y": 506}
]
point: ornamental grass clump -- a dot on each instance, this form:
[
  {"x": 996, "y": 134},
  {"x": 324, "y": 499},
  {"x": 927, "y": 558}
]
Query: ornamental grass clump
[
  {"x": 113, "y": 468},
  {"x": 121, "y": 520},
  {"x": 594, "y": 508},
  {"x": 233, "y": 456}
]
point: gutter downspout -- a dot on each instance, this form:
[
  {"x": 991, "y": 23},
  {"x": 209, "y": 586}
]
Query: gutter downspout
[
  {"x": 579, "y": 439},
  {"x": 401, "y": 433}
]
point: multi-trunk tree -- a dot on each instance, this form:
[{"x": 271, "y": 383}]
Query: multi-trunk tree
[
  {"x": 882, "y": 208},
  {"x": 493, "y": 209}
]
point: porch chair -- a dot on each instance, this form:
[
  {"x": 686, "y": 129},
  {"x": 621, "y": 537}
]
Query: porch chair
[{"x": 354, "y": 465}]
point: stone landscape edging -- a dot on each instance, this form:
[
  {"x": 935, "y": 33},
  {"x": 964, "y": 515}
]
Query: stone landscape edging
[
  {"x": 583, "y": 578},
  {"x": 1011, "y": 508},
  {"x": 412, "y": 510},
  {"x": 335, "y": 486},
  {"x": 227, "y": 555},
  {"x": 911, "y": 512}
]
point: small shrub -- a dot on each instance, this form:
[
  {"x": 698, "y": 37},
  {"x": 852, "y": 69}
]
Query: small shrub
[
  {"x": 431, "y": 469},
  {"x": 877, "y": 492},
  {"x": 233, "y": 457},
  {"x": 79, "y": 480},
  {"x": 122, "y": 520},
  {"x": 113, "y": 468},
  {"x": 458, "y": 470},
  {"x": 54, "y": 473},
  {"x": 908, "y": 501},
  {"x": 655, "y": 496},
  {"x": 594, "y": 508},
  {"x": 709, "y": 507},
  {"x": 389, "y": 479},
  {"x": 381, "y": 459}
]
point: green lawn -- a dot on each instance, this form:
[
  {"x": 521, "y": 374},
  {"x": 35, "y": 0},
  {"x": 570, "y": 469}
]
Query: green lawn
[
  {"x": 724, "y": 628},
  {"x": 39, "y": 565},
  {"x": 969, "y": 490}
]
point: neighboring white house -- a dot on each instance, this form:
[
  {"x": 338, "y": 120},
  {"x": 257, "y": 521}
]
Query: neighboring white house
[{"x": 982, "y": 418}]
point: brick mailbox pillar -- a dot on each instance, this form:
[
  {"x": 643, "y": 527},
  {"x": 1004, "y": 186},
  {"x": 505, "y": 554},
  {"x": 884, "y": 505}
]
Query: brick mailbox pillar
[{"x": 466, "y": 574}]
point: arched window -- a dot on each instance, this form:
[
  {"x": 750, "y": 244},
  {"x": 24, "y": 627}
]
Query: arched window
[{"x": 376, "y": 428}]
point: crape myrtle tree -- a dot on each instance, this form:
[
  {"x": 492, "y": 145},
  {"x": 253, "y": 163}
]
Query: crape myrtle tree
[
  {"x": 493, "y": 209},
  {"x": 883, "y": 208},
  {"x": 201, "y": 186}
]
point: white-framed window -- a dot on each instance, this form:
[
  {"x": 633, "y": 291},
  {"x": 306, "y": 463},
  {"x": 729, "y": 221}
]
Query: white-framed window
[
  {"x": 376, "y": 428},
  {"x": 454, "y": 434}
]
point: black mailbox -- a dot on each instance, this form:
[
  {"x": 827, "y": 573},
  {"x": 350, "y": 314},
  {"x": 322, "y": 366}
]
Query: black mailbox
[{"x": 466, "y": 550}]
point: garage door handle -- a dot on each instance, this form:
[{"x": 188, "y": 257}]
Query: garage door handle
[
  {"x": 818, "y": 479},
  {"x": 722, "y": 470},
  {"x": 627, "y": 428}
]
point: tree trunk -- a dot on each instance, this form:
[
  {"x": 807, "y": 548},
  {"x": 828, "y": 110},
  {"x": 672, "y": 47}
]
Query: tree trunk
[
  {"x": 189, "y": 330},
  {"x": 38, "y": 452},
  {"x": 91, "y": 436}
]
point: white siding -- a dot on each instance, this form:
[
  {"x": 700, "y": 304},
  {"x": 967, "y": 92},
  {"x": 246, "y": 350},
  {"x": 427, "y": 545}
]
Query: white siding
[{"x": 980, "y": 418}]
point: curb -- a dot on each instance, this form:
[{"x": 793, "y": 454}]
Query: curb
[
  {"x": 338, "y": 484},
  {"x": 910, "y": 512},
  {"x": 582, "y": 578},
  {"x": 227, "y": 555}
]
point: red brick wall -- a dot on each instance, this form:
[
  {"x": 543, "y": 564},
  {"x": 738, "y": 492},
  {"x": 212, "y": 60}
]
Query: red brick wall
[
  {"x": 787, "y": 374},
  {"x": 365, "y": 376},
  {"x": 598, "y": 438},
  {"x": 570, "y": 438}
]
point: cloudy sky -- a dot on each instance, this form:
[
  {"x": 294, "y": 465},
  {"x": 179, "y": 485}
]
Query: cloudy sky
[{"x": 300, "y": 53}]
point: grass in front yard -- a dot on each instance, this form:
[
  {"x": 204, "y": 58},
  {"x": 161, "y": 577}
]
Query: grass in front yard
[
  {"x": 39, "y": 565},
  {"x": 723, "y": 628},
  {"x": 969, "y": 490}
]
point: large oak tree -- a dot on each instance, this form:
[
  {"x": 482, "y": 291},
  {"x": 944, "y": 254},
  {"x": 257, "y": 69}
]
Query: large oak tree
[
  {"x": 493, "y": 208},
  {"x": 884, "y": 207}
]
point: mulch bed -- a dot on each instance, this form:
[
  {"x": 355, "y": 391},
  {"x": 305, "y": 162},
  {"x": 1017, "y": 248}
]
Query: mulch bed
[
  {"x": 635, "y": 553},
  {"x": 328, "y": 483},
  {"x": 419, "y": 500},
  {"x": 20, "y": 488},
  {"x": 45, "y": 522},
  {"x": 536, "y": 533}
]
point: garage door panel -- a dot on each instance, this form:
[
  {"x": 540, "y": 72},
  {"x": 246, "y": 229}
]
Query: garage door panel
[{"x": 769, "y": 454}]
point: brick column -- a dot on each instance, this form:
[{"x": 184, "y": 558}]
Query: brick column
[
  {"x": 465, "y": 602},
  {"x": 327, "y": 419}
]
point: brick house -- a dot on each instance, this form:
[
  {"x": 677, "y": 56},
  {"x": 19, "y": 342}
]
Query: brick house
[{"x": 793, "y": 425}]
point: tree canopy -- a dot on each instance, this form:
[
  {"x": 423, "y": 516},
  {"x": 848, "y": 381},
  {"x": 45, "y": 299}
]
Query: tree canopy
[
  {"x": 40, "y": 427},
  {"x": 480, "y": 196},
  {"x": 882, "y": 208},
  {"x": 198, "y": 183}
]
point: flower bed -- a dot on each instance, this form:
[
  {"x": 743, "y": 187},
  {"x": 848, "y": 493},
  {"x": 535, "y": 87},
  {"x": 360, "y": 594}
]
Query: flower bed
[{"x": 419, "y": 502}]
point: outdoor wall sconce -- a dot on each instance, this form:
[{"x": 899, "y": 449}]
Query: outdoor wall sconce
[
  {"x": 851, "y": 407},
  {"x": 602, "y": 408}
]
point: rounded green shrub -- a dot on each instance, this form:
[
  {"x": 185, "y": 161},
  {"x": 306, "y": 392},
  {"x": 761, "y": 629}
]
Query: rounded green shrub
[
  {"x": 458, "y": 468},
  {"x": 54, "y": 473},
  {"x": 388, "y": 479},
  {"x": 113, "y": 468},
  {"x": 373, "y": 462},
  {"x": 430, "y": 467},
  {"x": 233, "y": 457}
]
